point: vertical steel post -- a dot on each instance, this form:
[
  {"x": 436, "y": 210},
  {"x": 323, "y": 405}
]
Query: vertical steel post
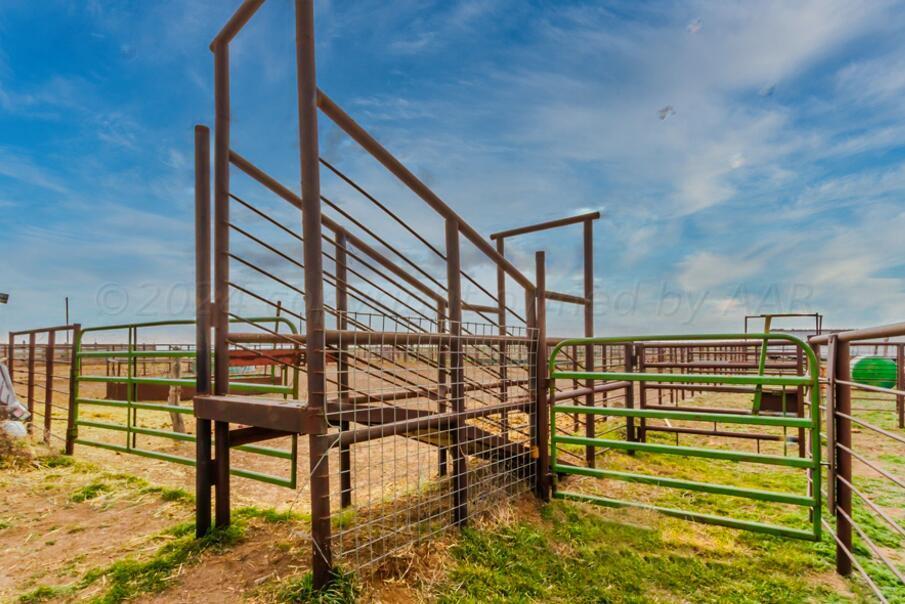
[
  {"x": 900, "y": 383},
  {"x": 629, "y": 360},
  {"x": 799, "y": 392},
  {"x": 843, "y": 458},
  {"x": 318, "y": 444},
  {"x": 588, "y": 234},
  {"x": 456, "y": 370},
  {"x": 640, "y": 353},
  {"x": 48, "y": 384},
  {"x": 71, "y": 416},
  {"x": 204, "y": 467},
  {"x": 542, "y": 417},
  {"x": 442, "y": 383},
  {"x": 342, "y": 367},
  {"x": 501, "y": 322},
  {"x": 30, "y": 384},
  {"x": 221, "y": 272}
]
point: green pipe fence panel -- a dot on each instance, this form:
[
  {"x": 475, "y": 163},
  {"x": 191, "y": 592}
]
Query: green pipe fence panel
[
  {"x": 810, "y": 424},
  {"x": 130, "y": 428}
]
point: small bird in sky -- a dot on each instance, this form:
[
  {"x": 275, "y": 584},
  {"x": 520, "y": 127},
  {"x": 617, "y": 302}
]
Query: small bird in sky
[{"x": 666, "y": 112}]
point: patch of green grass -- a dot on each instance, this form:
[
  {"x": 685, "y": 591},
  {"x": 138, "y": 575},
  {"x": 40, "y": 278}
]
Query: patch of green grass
[
  {"x": 89, "y": 491},
  {"x": 5, "y": 524},
  {"x": 577, "y": 554},
  {"x": 170, "y": 494},
  {"x": 269, "y": 515},
  {"x": 43, "y": 594},
  {"x": 342, "y": 590},
  {"x": 896, "y": 459},
  {"x": 58, "y": 461}
]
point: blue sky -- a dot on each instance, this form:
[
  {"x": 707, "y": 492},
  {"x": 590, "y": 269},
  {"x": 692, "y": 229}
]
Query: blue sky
[{"x": 775, "y": 183}]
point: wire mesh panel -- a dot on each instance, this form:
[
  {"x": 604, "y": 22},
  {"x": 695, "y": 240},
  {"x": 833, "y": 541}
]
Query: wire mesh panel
[{"x": 429, "y": 429}]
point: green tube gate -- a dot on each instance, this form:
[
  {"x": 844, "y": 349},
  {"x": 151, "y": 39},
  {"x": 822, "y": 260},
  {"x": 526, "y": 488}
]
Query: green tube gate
[
  {"x": 130, "y": 429},
  {"x": 811, "y": 424}
]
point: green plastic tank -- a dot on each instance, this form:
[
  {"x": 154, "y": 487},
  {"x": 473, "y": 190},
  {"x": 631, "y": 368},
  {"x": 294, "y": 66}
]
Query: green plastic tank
[{"x": 875, "y": 371}]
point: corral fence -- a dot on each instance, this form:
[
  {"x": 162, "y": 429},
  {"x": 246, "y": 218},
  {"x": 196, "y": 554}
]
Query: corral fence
[
  {"x": 865, "y": 497},
  {"x": 40, "y": 363}
]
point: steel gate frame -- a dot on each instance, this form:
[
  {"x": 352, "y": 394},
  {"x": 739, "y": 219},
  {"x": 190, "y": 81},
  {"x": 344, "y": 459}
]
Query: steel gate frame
[{"x": 813, "y": 465}]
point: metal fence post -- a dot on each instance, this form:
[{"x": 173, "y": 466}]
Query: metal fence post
[
  {"x": 843, "y": 458},
  {"x": 342, "y": 368},
  {"x": 30, "y": 384},
  {"x": 542, "y": 416},
  {"x": 48, "y": 384},
  {"x": 71, "y": 428},
  {"x": 456, "y": 370},
  {"x": 900, "y": 383},
  {"x": 630, "y": 433},
  {"x": 315, "y": 345},
  {"x": 204, "y": 469}
]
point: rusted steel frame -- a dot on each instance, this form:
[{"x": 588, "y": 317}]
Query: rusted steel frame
[
  {"x": 456, "y": 371},
  {"x": 426, "y": 392},
  {"x": 884, "y": 331},
  {"x": 380, "y": 153},
  {"x": 382, "y": 241},
  {"x": 277, "y": 188},
  {"x": 254, "y": 434},
  {"x": 266, "y": 273},
  {"x": 899, "y": 482},
  {"x": 543, "y": 226},
  {"x": 588, "y": 253},
  {"x": 629, "y": 361},
  {"x": 542, "y": 410},
  {"x": 900, "y": 383},
  {"x": 48, "y": 383},
  {"x": 876, "y": 550},
  {"x": 567, "y": 298},
  {"x": 380, "y": 205},
  {"x": 869, "y": 388},
  {"x": 403, "y": 223},
  {"x": 37, "y": 330},
  {"x": 261, "y": 298},
  {"x": 30, "y": 385},
  {"x": 596, "y": 388},
  {"x": 203, "y": 438},
  {"x": 73, "y": 372},
  {"x": 479, "y": 308},
  {"x": 361, "y": 296},
  {"x": 315, "y": 344},
  {"x": 843, "y": 467},
  {"x": 440, "y": 420},
  {"x": 693, "y": 409},
  {"x": 640, "y": 360},
  {"x": 342, "y": 368},
  {"x": 220, "y": 317},
  {"x": 373, "y": 338},
  {"x": 442, "y": 385},
  {"x": 236, "y": 23}
]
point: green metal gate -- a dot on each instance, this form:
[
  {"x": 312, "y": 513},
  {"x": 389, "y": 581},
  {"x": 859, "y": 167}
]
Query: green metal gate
[
  {"x": 810, "y": 424},
  {"x": 132, "y": 352}
]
